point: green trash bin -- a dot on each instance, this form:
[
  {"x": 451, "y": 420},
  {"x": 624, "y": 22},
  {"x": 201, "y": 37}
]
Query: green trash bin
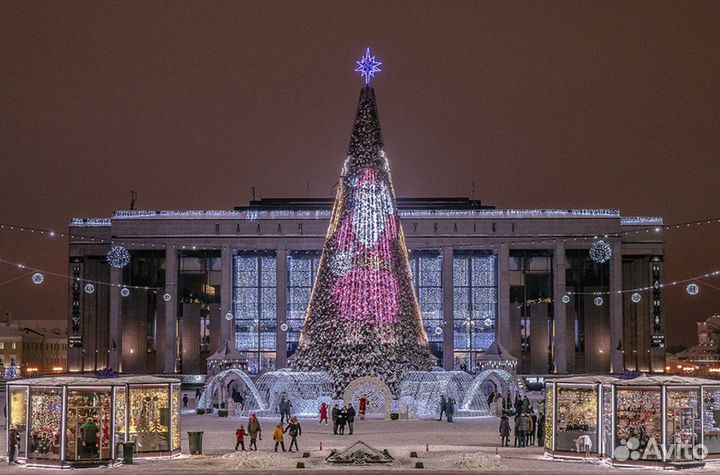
[
  {"x": 195, "y": 442},
  {"x": 128, "y": 449}
]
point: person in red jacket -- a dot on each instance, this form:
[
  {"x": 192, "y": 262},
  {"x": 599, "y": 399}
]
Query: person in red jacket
[
  {"x": 363, "y": 407},
  {"x": 323, "y": 413},
  {"x": 240, "y": 436}
]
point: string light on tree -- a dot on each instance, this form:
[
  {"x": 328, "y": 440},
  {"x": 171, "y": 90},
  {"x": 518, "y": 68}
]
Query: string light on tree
[
  {"x": 636, "y": 297},
  {"x": 600, "y": 251},
  {"x": 693, "y": 289},
  {"x": 38, "y": 278},
  {"x": 118, "y": 257}
]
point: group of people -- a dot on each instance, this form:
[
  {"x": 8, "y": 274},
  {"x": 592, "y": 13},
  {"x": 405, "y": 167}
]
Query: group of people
[
  {"x": 447, "y": 407},
  {"x": 340, "y": 417},
  {"x": 254, "y": 431},
  {"x": 528, "y": 426}
]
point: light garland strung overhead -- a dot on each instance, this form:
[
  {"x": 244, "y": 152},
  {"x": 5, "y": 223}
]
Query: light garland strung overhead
[
  {"x": 125, "y": 292},
  {"x": 600, "y": 251},
  {"x": 598, "y": 301},
  {"x": 38, "y": 278},
  {"x": 693, "y": 289},
  {"x": 636, "y": 297},
  {"x": 565, "y": 299},
  {"x": 89, "y": 288},
  {"x": 167, "y": 297},
  {"x": 118, "y": 257}
]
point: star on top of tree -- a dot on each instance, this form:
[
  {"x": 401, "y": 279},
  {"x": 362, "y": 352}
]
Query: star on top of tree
[{"x": 367, "y": 66}]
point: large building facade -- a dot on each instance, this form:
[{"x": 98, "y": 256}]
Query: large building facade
[{"x": 199, "y": 278}]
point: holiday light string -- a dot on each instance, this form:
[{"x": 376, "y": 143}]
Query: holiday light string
[
  {"x": 69, "y": 277},
  {"x": 540, "y": 240},
  {"x": 697, "y": 278}
]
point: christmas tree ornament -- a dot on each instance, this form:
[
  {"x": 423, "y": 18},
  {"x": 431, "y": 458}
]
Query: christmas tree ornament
[
  {"x": 600, "y": 251},
  {"x": 118, "y": 257}
]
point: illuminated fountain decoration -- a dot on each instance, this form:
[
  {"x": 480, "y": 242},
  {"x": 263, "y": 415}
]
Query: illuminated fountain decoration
[
  {"x": 363, "y": 318},
  {"x": 376, "y": 393},
  {"x": 501, "y": 380},
  {"x": 420, "y": 392},
  {"x": 306, "y": 391},
  {"x": 218, "y": 390}
]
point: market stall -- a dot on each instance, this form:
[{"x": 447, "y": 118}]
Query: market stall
[
  {"x": 79, "y": 421},
  {"x": 654, "y": 420}
]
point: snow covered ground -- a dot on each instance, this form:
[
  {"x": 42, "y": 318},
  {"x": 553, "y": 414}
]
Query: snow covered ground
[{"x": 464, "y": 446}]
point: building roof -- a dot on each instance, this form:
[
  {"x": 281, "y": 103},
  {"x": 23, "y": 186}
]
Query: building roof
[
  {"x": 496, "y": 352},
  {"x": 90, "y": 381},
  {"x": 227, "y": 352}
]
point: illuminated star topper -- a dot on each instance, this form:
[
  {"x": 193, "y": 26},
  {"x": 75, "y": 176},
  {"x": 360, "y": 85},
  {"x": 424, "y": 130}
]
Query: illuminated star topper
[{"x": 367, "y": 66}]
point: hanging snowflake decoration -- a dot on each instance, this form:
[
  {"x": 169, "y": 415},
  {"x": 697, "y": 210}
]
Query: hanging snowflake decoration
[
  {"x": 284, "y": 327},
  {"x": 167, "y": 297},
  {"x": 693, "y": 289},
  {"x": 598, "y": 301},
  {"x": 565, "y": 299},
  {"x": 600, "y": 251},
  {"x": 125, "y": 292},
  {"x": 229, "y": 316},
  {"x": 89, "y": 288},
  {"x": 488, "y": 322},
  {"x": 118, "y": 257},
  {"x": 438, "y": 330},
  {"x": 636, "y": 297},
  {"x": 38, "y": 278}
]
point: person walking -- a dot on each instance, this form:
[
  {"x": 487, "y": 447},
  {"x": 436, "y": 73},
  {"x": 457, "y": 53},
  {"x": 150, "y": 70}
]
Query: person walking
[
  {"x": 504, "y": 431},
  {"x": 13, "y": 443},
  {"x": 526, "y": 404},
  {"x": 443, "y": 406},
  {"x": 185, "y": 400},
  {"x": 350, "y": 418},
  {"x": 254, "y": 431},
  {"x": 450, "y": 409},
  {"x": 240, "y": 438},
  {"x": 363, "y": 406},
  {"x": 335, "y": 414},
  {"x": 89, "y": 432},
  {"x": 516, "y": 425},
  {"x": 323, "y": 413},
  {"x": 531, "y": 428},
  {"x": 198, "y": 393},
  {"x": 522, "y": 429},
  {"x": 279, "y": 437},
  {"x": 295, "y": 431},
  {"x": 342, "y": 419},
  {"x": 281, "y": 409},
  {"x": 517, "y": 405}
]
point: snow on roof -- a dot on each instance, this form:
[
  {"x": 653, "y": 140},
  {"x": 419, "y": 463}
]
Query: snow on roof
[
  {"x": 640, "y": 381},
  {"x": 90, "y": 381}
]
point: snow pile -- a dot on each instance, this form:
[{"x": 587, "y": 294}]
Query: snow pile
[
  {"x": 472, "y": 461},
  {"x": 254, "y": 460}
]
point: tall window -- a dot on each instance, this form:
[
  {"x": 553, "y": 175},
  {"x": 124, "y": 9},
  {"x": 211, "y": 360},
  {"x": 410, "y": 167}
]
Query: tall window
[
  {"x": 584, "y": 275},
  {"x": 426, "y": 267},
  {"x": 302, "y": 269},
  {"x": 199, "y": 278},
  {"x": 255, "y": 308},
  {"x": 475, "y": 305},
  {"x": 531, "y": 282}
]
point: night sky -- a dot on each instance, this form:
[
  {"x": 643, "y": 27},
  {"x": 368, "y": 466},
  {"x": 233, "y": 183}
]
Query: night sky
[{"x": 542, "y": 104}]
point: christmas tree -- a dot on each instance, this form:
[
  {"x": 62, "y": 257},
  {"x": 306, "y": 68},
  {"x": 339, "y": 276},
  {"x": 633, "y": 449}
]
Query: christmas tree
[{"x": 363, "y": 318}]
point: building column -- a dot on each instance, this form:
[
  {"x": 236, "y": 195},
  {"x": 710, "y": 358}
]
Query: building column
[
  {"x": 115, "y": 319},
  {"x": 281, "y": 309},
  {"x": 448, "y": 309},
  {"x": 226, "y": 295},
  {"x": 561, "y": 338},
  {"x": 504, "y": 334},
  {"x": 171, "y": 274},
  {"x": 616, "y": 310}
]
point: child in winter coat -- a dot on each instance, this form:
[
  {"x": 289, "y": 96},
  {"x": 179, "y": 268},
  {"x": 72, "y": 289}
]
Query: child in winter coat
[
  {"x": 279, "y": 437},
  {"x": 240, "y": 437}
]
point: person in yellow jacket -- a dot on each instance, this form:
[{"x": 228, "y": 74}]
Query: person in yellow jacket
[{"x": 279, "y": 437}]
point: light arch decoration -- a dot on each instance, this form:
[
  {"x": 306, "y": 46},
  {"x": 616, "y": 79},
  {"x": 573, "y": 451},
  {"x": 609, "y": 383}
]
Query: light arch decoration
[
  {"x": 378, "y": 395},
  {"x": 217, "y": 387}
]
